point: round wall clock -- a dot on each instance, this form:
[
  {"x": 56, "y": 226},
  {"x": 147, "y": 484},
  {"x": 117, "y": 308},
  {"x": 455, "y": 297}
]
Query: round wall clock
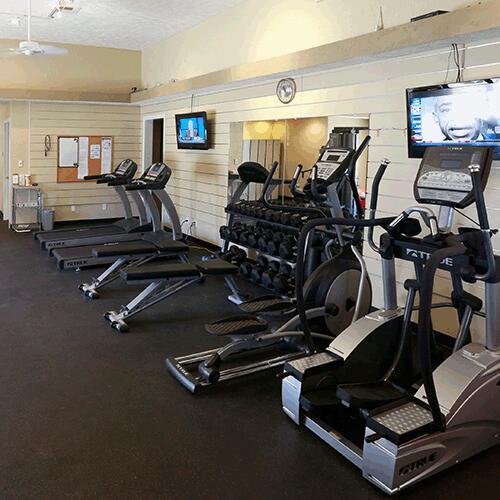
[{"x": 286, "y": 90}]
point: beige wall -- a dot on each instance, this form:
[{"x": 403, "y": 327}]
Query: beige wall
[
  {"x": 83, "y": 69},
  {"x": 375, "y": 90},
  {"x": 32, "y": 121},
  {"x": 304, "y": 139},
  {"x": 256, "y": 30}
]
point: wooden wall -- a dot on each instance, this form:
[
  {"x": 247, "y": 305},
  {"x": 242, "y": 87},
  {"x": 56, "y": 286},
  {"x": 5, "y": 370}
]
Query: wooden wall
[
  {"x": 120, "y": 122},
  {"x": 376, "y": 90}
]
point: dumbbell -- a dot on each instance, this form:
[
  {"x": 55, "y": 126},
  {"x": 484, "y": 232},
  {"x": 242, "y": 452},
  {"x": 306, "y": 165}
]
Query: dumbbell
[
  {"x": 224, "y": 232},
  {"x": 269, "y": 274},
  {"x": 274, "y": 245},
  {"x": 288, "y": 247},
  {"x": 264, "y": 239},
  {"x": 245, "y": 233},
  {"x": 253, "y": 237},
  {"x": 283, "y": 284},
  {"x": 235, "y": 255},
  {"x": 246, "y": 269},
  {"x": 261, "y": 265},
  {"x": 236, "y": 230}
]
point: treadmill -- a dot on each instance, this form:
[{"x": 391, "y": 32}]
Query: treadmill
[
  {"x": 154, "y": 179},
  {"x": 96, "y": 235}
]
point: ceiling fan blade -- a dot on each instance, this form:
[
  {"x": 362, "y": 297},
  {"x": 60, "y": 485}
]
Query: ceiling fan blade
[
  {"x": 9, "y": 53},
  {"x": 49, "y": 50}
]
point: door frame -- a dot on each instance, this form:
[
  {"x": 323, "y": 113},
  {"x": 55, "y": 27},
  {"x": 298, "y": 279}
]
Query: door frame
[
  {"x": 6, "y": 169},
  {"x": 147, "y": 135}
]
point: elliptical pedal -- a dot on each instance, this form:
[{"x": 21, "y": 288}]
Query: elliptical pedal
[
  {"x": 237, "y": 325},
  {"x": 266, "y": 303}
]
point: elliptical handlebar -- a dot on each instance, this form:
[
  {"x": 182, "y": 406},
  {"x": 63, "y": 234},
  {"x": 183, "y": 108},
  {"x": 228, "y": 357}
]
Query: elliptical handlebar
[
  {"x": 352, "y": 175},
  {"x": 314, "y": 185},
  {"x": 374, "y": 201},
  {"x": 484, "y": 224},
  {"x": 295, "y": 179}
]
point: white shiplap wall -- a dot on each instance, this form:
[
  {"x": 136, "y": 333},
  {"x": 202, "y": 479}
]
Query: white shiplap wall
[
  {"x": 377, "y": 90},
  {"x": 120, "y": 122}
]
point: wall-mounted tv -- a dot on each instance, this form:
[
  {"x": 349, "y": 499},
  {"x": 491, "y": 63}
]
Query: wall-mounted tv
[
  {"x": 466, "y": 113},
  {"x": 192, "y": 131}
]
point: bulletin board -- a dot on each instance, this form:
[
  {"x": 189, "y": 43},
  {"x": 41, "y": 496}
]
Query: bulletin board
[{"x": 78, "y": 156}]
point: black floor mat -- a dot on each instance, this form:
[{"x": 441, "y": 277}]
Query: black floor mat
[{"x": 87, "y": 413}]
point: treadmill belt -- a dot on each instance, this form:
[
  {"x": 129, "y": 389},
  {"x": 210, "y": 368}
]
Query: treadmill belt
[{"x": 80, "y": 233}]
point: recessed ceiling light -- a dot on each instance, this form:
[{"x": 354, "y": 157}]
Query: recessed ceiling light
[{"x": 15, "y": 21}]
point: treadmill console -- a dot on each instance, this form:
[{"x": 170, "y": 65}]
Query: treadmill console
[
  {"x": 126, "y": 168},
  {"x": 158, "y": 173},
  {"x": 333, "y": 164},
  {"x": 444, "y": 177}
]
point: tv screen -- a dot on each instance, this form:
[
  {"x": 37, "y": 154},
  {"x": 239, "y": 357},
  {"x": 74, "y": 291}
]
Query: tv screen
[
  {"x": 192, "y": 131},
  {"x": 456, "y": 113}
]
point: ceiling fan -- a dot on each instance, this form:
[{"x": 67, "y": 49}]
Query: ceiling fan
[{"x": 31, "y": 48}]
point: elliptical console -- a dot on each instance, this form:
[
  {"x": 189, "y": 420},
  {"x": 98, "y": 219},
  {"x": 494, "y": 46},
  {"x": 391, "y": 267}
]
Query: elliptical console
[{"x": 444, "y": 177}]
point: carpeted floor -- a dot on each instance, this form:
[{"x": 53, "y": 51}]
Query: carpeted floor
[{"x": 89, "y": 413}]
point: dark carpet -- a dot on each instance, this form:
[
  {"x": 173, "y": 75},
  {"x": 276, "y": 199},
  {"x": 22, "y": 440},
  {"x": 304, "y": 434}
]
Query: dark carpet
[{"x": 88, "y": 413}]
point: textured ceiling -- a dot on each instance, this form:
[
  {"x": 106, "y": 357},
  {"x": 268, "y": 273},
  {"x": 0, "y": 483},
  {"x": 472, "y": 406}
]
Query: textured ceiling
[{"x": 127, "y": 24}]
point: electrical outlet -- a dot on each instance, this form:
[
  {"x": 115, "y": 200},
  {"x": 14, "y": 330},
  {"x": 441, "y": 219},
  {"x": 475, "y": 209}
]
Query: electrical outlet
[
  {"x": 20, "y": 163},
  {"x": 104, "y": 206},
  {"x": 73, "y": 208}
]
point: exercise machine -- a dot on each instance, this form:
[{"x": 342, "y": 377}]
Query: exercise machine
[
  {"x": 153, "y": 246},
  {"x": 154, "y": 178},
  {"x": 337, "y": 293},
  {"x": 124, "y": 229},
  {"x": 400, "y": 402},
  {"x": 167, "y": 279}
]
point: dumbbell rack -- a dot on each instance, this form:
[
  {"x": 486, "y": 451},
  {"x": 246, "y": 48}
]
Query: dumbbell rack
[{"x": 236, "y": 217}]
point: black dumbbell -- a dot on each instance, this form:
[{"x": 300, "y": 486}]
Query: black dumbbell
[
  {"x": 239, "y": 256},
  {"x": 236, "y": 230},
  {"x": 224, "y": 232},
  {"x": 269, "y": 274},
  {"x": 284, "y": 284},
  {"x": 253, "y": 238},
  {"x": 288, "y": 247},
  {"x": 264, "y": 239},
  {"x": 285, "y": 269},
  {"x": 246, "y": 269},
  {"x": 274, "y": 245},
  {"x": 261, "y": 265}
]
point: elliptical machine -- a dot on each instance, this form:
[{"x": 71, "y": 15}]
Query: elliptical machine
[
  {"x": 401, "y": 422},
  {"x": 337, "y": 293}
]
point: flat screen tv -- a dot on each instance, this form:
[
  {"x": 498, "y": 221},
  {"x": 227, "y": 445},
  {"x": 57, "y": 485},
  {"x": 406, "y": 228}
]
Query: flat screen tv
[
  {"x": 466, "y": 113},
  {"x": 192, "y": 131}
]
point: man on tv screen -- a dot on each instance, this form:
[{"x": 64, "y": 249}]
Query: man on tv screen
[
  {"x": 457, "y": 120},
  {"x": 192, "y": 130}
]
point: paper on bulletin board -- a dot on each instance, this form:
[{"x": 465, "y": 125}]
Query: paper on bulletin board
[
  {"x": 95, "y": 151},
  {"x": 68, "y": 151},
  {"x": 107, "y": 143},
  {"x": 83, "y": 157}
]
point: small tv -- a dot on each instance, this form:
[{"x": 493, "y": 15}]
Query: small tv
[
  {"x": 192, "y": 131},
  {"x": 465, "y": 113}
]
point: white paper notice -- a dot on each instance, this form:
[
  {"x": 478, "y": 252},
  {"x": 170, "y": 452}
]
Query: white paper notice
[
  {"x": 68, "y": 151},
  {"x": 95, "y": 151},
  {"x": 107, "y": 143},
  {"x": 83, "y": 157}
]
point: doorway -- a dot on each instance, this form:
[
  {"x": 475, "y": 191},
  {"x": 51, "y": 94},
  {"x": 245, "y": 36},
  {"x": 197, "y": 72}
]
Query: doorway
[
  {"x": 153, "y": 144},
  {"x": 4, "y": 205},
  {"x": 153, "y": 139}
]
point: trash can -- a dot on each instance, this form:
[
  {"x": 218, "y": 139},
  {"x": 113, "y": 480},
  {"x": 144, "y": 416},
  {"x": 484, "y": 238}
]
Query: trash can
[{"x": 48, "y": 219}]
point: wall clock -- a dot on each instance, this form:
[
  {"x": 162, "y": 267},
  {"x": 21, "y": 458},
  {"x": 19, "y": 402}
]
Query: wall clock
[{"x": 286, "y": 90}]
